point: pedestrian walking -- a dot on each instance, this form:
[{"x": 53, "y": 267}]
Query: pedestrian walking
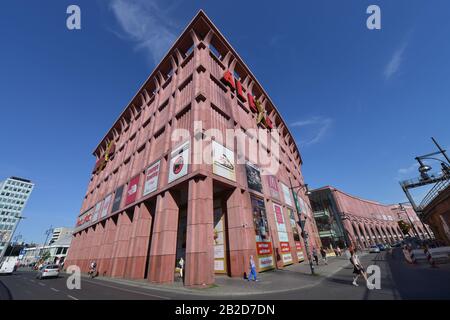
[
  {"x": 358, "y": 268},
  {"x": 181, "y": 265},
  {"x": 316, "y": 257},
  {"x": 323, "y": 253},
  {"x": 252, "y": 272},
  {"x": 339, "y": 252}
]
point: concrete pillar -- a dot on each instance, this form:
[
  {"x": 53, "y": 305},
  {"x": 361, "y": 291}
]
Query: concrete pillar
[
  {"x": 241, "y": 233},
  {"x": 164, "y": 240},
  {"x": 106, "y": 249},
  {"x": 122, "y": 243},
  {"x": 139, "y": 242},
  {"x": 200, "y": 233}
]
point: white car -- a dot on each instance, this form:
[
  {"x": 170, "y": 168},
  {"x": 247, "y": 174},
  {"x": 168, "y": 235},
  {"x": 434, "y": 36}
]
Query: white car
[
  {"x": 374, "y": 249},
  {"x": 47, "y": 271}
]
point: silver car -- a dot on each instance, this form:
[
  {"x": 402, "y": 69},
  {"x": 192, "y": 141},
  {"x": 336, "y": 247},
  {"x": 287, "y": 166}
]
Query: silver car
[{"x": 48, "y": 271}]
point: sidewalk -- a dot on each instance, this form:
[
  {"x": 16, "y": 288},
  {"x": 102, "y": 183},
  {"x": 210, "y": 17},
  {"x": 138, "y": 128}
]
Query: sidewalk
[{"x": 293, "y": 277}]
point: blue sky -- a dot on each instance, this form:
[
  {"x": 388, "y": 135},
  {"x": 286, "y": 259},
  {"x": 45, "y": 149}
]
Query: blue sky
[{"x": 360, "y": 103}]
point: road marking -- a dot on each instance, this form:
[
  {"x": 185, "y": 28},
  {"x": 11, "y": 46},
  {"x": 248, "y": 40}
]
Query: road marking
[
  {"x": 33, "y": 281},
  {"x": 71, "y": 297},
  {"x": 127, "y": 290},
  {"x": 42, "y": 284},
  {"x": 56, "y": 290}
]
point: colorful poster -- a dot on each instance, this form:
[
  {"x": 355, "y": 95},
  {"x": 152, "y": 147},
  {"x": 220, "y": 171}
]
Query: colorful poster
[
  {"x": 273, "y": 186},
  {"x": 298, "y": 247},
  {"x": 285, "y": 248},
  {"x": 253, "y": 177},
  {"x": 179, "y": 161},
  {"x": 263, "y": 240},
  {"x": 219, "y": 241},
  {"x": 105, "y": 207},
  {"x": 132, "y": 190},
  {"x": 96, "y": 213},
  {"x": 286, "y": 194},
  {"x": 117, "y": 199},
  {"x": 223, "y": 161},
  {"x": 295, "y": 232},
  {"x": 151, "y": 178}
]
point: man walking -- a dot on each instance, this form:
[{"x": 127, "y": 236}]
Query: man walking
[
  {"x": 316, "y": 257},
  {"x": 323, "y": 253}
]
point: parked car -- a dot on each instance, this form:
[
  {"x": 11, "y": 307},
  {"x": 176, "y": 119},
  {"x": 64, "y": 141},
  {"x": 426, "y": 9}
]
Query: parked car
[
  {"x": 374, "y": 249},
  {"x": 381, "y": 247},
  {"x": 48, "y": 271}
]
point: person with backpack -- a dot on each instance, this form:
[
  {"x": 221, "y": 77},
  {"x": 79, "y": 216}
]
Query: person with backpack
[{"x": 358, "y": 268}]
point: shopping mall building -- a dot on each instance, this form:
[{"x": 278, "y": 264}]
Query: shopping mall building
[
  {"x": 200, "y": 166},
  {"x": 346, "y": 220}
]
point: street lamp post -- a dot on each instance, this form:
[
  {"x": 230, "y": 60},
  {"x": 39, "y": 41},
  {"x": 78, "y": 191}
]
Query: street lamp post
[
  {"x": 48, "y": 232},
  {"x": 301, "y": 222}
]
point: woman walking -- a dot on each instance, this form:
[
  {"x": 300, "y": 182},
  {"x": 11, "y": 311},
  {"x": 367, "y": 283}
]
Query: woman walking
[{"x": 252, "y": 272}]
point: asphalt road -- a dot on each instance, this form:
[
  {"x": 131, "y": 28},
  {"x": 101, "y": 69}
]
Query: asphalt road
[{"x": 399, "y": 280}]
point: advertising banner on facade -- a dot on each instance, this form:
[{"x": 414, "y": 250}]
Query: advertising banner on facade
[
  {"x": 179, "y": 161},
  {"x": 223, "y": 161},
  {"x": 273, "y": 186},
  {"x": 295, "y": 233},
  {"x": 97, "y": 209},
  {"x": 286, "y": 194},
  {"x": 151, "y": 178},
  {"x": 219, "y": 241},
  {"x": 285, "y": 248},
  {"x": 253, "y": 177},
  {"x": 106, "y": 205},
  {"x": 298, "y": 247},
  {"x": 117, "y": 199},
  {"x": 132, "y": 190},
  {"x": 263, "y": 241}
]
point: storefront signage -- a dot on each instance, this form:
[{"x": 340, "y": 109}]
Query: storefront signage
[
  {"x": 253, "y": 177},
  {"x": 285, "y": 248},
  {"x": 298, "y": 247},
  {"x": 263, "y": 248},
  {"x": 223, "y": 161},
  {"x": 286, "y": 194},
  {"x": 132, "y": 190},
  {"x": 106, "y": 204},
  {"x": 117, "y": 199},
  {"x": 85, "y": 218},
  {"x": 179, "y": 160},
  {"x": 151, "y": 178},
  {"x": 101, "y": 162},
  {"x": 253, "y": 103}
]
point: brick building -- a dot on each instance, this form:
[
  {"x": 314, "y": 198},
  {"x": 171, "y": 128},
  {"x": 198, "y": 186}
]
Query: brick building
[
  {"x": 343, "y": 219},
  {"x": 151, "y": 201}
]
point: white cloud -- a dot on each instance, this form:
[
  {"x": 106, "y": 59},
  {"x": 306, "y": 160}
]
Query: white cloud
[
  {"x": 320, "y": 128},
  {"x": 394, "y": 63},
  {"x": 408, "y": 170},
  {"x": 145, "y": 23}
]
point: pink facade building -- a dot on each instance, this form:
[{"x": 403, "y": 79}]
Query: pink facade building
[
  {"x": 345, "y": 220},
  {"x": 170, "y": 183}
]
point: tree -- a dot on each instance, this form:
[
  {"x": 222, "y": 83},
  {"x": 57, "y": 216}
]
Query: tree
[{"x": 405, "y": 227}]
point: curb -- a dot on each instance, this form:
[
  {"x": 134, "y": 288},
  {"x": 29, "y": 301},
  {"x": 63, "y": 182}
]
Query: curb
[{"x": 201, "y": 292}]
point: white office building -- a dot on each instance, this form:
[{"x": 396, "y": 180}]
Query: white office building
[
  {"x": 14, "y": 194},
  {"x": 59, "y": 233}
]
